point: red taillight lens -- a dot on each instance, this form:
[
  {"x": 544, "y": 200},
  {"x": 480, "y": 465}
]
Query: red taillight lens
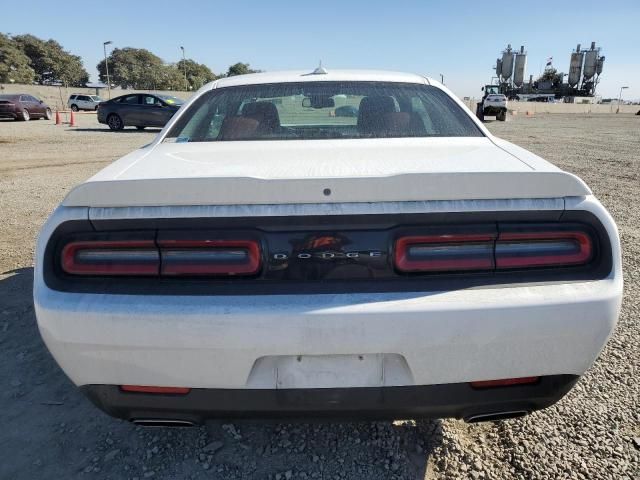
[
  {"x": 125, "y": 257},
  {"x": 210, "y": 257},
  {"x": 543, "y": 249},
  {"x": 158, "y": 390},
  {"x": 531, "y": 246},
  {"x": 165, "y": 257},
  {"x": 437, "y": 253},
  {"x": 504, "y": 382}
]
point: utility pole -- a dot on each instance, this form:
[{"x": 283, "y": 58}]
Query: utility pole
[
  {"x": 184, "y": 65},
  {"x": 106, "y": 65}
]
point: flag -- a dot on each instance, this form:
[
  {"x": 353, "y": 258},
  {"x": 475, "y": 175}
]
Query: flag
[{"x": 549, "y": 61}]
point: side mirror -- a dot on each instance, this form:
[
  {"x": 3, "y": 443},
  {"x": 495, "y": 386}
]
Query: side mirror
[
  {"x": 482, "y": 89},
  {"x": 41, "y": 101}
]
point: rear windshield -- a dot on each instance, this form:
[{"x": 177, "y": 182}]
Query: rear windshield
[{"x": 317, "y": 110}]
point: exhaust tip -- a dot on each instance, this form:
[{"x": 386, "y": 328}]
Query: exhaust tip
[
  {"x": 495, "y": 416},
  {"x": 161, "y": 422}
]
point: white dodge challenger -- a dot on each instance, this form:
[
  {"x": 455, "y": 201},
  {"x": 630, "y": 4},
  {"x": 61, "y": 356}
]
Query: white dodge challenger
[{"x": 343, "y": 243}]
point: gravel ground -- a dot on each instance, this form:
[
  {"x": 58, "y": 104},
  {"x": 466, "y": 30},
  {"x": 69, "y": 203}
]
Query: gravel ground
[{"x": 50, "y": 431}]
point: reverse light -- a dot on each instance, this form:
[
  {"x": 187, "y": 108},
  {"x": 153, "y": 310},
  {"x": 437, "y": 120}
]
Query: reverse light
[
  {"x": 210, "y": 257},
  {"x": 438, "y": 253}
]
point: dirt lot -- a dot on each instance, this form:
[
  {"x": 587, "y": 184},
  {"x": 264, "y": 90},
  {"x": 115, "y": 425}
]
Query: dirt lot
[{"x": 50, "y": 431}]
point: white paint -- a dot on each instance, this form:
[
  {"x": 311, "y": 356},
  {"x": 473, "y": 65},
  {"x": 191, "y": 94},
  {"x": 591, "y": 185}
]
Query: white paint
[{"x": 445, "y": 337}]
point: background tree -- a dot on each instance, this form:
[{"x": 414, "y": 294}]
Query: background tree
[
  {"x": 240, "y": 69},
  {"x": 14, "y": 64},
  {"x": 197, "y": 73},
  {"x": 133, "y": 68},
  {"x": 51, "y": 62},
  {"x": 550, "y": 75}
]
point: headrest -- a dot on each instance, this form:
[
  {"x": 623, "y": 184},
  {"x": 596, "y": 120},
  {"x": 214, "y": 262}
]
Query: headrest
[
  {"x": 371, "y": 110},
  {"x": 238, "y": 128}
]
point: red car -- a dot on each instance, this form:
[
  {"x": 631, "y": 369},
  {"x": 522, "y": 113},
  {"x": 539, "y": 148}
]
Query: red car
[{"x": 21, "y": 106}]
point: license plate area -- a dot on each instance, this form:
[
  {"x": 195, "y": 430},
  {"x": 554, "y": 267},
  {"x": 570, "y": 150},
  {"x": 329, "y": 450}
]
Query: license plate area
[{"x": 329, "y": 371}]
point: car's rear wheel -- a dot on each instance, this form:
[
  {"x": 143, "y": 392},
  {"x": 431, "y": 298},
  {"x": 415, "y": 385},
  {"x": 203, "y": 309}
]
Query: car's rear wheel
[
  {"x": 74, "y": 107},
  {"x": 502, "y": 116},
  {"x": 115, "y": 122},
  {"x": 25, "y": 116},
  {"x": 140, "y": 128},
  {"x": 47, "y": 114}
]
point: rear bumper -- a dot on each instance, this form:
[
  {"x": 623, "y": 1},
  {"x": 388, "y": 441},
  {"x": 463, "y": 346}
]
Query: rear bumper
[
  {"x": 422, "y": 338},
  {"x": 458, "y": 400},
  {"x": 13, "y": 115}
]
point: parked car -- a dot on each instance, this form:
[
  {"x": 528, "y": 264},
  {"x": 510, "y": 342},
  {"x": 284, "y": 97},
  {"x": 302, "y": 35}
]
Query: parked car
[
  {"x": 138, "y": 110},
  {"x": 83, "y": 102},
  {"x": 21, "y": 106},
  {"x": 263, "y": 258}
]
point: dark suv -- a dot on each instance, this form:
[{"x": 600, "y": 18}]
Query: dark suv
[
  {"x": 139, "y": 110},
  {"x": 21, "y": 106}
]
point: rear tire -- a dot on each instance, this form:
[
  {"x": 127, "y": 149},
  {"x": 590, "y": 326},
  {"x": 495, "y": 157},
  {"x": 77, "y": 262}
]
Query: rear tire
[
  {"x": 47, "y": 114},
  {"x": 74, "y": 107},
  {"x": 115, "y": 122},
  {"x": 25, "y": 116},
  {"x": 501, "y": 117}
]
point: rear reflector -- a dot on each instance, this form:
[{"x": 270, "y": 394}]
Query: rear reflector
[
  {"x": 159, "y": 390},
  {"x": 437, "y": 253},
  {"x": 210, "y": 257},
  {"x": 504, "y": 382},
  {"x": 543, "y": 249},
  {"x": 126, "y": 257}
]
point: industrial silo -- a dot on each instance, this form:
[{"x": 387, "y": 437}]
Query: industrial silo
[
  {"x": 590, "y": 62},
  {"x": 575, "y": 67},
  {"x": 520, "y": 67},
  {"x": 498, "y": 67},
  {"x": 507, "y": 63},
  {"x": 600, "y": 65}
]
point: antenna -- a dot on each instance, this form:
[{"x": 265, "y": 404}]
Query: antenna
[{"x": 320, "y": 70}]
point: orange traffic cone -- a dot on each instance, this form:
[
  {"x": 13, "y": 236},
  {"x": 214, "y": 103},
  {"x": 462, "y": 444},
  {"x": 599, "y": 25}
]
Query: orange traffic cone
[
  {"x": 72, "y": 123},
  {"x": 58, "y": 119}
]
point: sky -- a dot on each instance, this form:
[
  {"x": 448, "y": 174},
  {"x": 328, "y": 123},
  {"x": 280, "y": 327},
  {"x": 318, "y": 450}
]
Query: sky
[{"x": 458, "y": 39}]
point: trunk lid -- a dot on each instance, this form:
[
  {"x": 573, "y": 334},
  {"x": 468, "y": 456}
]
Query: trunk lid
[{"x": 323, "y": 171}]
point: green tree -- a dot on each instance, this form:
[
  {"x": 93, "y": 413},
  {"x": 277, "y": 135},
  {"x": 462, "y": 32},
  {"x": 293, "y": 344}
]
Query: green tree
[
  {"x": 550, "y": 75},
  {"x": 240, "y": 69},
  {"x": 14, "y": 64},
  {"x": 171, "y": 78},
  {"x": 197, "y": 73},
  {"x": 133, "y": 68},
  {"x": 51, "y": 62}
]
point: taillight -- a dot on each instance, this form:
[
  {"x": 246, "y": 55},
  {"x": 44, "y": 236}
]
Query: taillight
[
  {"x": 210, "y": 257},
  {"x": 522, "y": 246},
  {"x": 120, "y": 257},
  {"x": 543, "y": 249},
  {"x": 437, "y": 253},
  {"x": 165, "y": 257}
]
